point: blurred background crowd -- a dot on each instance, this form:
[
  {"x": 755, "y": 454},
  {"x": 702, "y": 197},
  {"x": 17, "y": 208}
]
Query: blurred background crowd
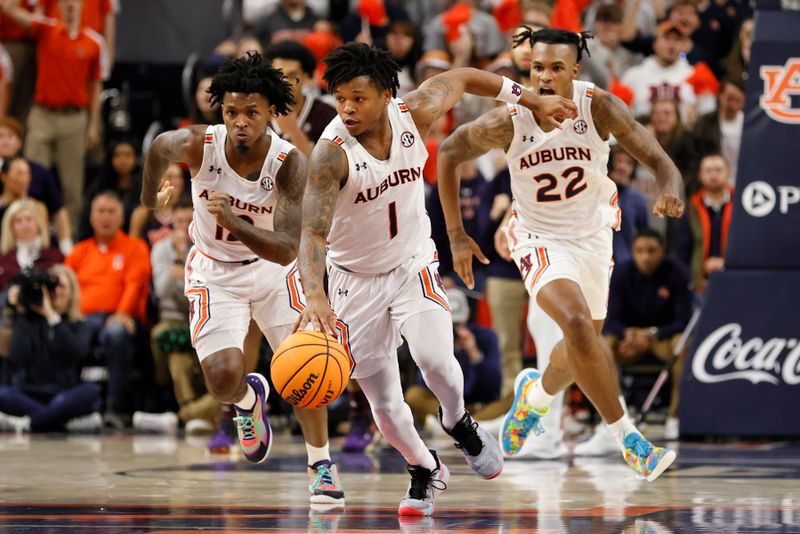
[{"x": 94, "y": 329}]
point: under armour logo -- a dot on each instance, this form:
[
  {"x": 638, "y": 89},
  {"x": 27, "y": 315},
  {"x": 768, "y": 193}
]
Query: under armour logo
[
  {"x": 526, "y": 138},
  {"x": 342, "y": 292},
  {"x": 213, "y": 169},
  {"x": 361, "y": 166},
  {"x": 516, "y": 89}
]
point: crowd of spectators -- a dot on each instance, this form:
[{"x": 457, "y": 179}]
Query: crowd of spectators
[{"x": 102, "y": 277}]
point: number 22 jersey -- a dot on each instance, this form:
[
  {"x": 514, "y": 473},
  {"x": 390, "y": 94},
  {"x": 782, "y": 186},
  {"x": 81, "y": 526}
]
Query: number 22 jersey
[{"x": 559, "y": 179}]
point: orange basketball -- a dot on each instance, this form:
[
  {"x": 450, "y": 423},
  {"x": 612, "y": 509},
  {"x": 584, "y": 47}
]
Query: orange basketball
[{"x": 310, "y": 369}]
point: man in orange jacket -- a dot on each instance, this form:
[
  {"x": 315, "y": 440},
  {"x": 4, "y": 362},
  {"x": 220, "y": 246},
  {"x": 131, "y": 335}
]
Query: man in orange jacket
[{"x": 113, "y": 272}]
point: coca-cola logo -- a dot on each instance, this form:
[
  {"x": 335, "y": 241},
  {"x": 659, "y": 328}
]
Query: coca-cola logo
[{"x": 724, "y": 355}]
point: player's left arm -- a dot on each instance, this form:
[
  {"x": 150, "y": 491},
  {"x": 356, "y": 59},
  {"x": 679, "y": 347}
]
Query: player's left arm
[
  {"x": 440, "y": 93},
  {"x": 612, "y": 116},
  {"x": 279, "y": 245}
]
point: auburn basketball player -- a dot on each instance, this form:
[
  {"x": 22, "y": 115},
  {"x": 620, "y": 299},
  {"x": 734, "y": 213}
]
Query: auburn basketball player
[
  {"x": 247, "y": 188},
  {"x": 365, "y": 202},
  {"x": 565, "y": 209}
]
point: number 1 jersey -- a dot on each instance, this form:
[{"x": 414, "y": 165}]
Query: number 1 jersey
[
  {"x": 559, "y": 179},
  {"x": 380, "y": 219},
  {"x": 251, "y": 200}
]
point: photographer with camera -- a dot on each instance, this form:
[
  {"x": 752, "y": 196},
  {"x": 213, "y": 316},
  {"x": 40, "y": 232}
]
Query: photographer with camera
[
  {"x": 25, "y": 241},
  {"x": 47, "y": 346}
]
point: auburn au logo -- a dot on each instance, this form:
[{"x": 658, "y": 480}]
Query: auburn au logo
[{"x": 781, "y": 83}]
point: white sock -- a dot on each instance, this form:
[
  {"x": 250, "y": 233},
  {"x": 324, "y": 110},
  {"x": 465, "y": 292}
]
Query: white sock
[
  {"x": 248, "y": 402},
  {"x": 624, "y": 405},
  {"x": 317, "y": 454},
  {"x": 539, "y": 398},
  {"x": 449, "y": 420},
  {"x": 621, "y": 428}
]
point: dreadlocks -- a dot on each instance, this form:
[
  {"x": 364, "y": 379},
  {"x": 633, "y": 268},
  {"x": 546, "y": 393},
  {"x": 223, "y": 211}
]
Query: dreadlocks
[
  {"x": 358, "y": 59},
  {"x": 252, "y": 74},
  {"x": 553, "y": 36}
]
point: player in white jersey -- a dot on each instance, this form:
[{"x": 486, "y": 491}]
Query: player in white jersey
[
  {"x": 365, "y": 200},
  {"x": 565, "y": 209},
  {"x": 247, "y": 188}
]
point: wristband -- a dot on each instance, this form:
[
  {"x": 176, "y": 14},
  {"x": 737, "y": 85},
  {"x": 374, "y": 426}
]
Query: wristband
[{"x": 510, "y": 93}]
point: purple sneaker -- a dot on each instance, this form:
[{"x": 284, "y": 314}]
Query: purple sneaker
[
  {"x": 359, "y": 437},
  {"x": 255, "y": 434},
  {"x": 221, "y": 442}
]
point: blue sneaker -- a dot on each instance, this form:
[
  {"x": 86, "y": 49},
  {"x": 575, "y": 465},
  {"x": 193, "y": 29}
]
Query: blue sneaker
[
  {"x": 255, "y": 434},
  {"x": 646, "y": 460},
  {"x": 521, "y": 418}
]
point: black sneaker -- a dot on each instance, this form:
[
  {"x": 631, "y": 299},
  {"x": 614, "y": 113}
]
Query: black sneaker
[
  {"x": 481, "y": 449},
  {"x": 425, "y": 485}
]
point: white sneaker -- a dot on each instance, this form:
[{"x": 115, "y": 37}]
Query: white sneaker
[
  {"x": 197, "y": 426},
  {"x": 672, "y": 429},
  {"x": 88, "y": 423},
  {"x": 160, "y": 423},
  {"x": 602, "y": 443},
  {"x": 12, "y": 423},
  {"x": 544, "y": 447}
]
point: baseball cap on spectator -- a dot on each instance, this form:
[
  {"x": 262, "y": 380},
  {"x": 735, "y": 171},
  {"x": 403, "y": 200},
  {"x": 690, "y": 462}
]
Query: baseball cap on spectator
[
  {"x": 669, "y": 27},
  {"x": 459, "y": 305}
]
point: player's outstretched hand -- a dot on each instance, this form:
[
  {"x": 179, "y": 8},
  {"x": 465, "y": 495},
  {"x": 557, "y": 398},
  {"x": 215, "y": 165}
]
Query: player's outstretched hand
[
  {"x": 164, "y": 194},
  {"x": 219, "y": 205},
  {"x": 319, "y": 315},
  {"x": 668, "y": 205},
  {"x": 463, "y": 248},
  {"x": 553, "y": 110}
]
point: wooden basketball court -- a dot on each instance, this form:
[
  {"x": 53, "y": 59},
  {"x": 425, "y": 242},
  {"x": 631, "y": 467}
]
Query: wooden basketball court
[{"x": 124, "y": 483}]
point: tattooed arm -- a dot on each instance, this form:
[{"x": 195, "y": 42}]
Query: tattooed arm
[
  {"x": 328, "y": 170},
  {"x": 492, "y": 130},
  {"x": 184, "y": 145},
  {"x": 437, "y": 95},
  {"x": 279, "y": 245},
  {"x": 612, "y": 116}
]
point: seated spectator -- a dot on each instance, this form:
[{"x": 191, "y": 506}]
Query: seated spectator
[
  {"x": 113, "y": 271},
  {"x": 291, "y": 20},
  {"x": 482, "y": 42},
  {"x": 24, "y": 241},
  {"x": 635, "y": 214},
  {"x": 649, "y": 306},
  {"x": 477, "y": 352},
  {"x": 310, "y": 115},
  {"x": 15, "y": 175},
  {"x": 155, "y": 225},
  {"x": 664, "y": 75},
  {"x": 44, "y": 185},
  {"x": 734, "y": 66},
  {"x": 122, "y": 173},
  {"x": 47, "y": 346},
  {"x": 404, "y": 43},
  {"x": 720, "y": 132},
  {"x": 703, "y": 229},
  {"x": 607, "y": 47},
  {"x": 202, "y": 112},
  {"x": 370, "y": 20},
  {"x": 170, "y": 340}
]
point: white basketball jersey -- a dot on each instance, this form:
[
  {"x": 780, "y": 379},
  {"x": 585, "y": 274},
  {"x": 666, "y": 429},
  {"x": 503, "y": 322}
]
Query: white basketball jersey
[
  {"x": 380, "y": 219},
  {"x": 253, "y": 201},
  {"x": 559, "y": 179}
]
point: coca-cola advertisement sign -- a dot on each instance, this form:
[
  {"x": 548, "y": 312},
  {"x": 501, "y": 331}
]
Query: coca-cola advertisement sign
[
  {"x": 742, "y": 374},
  {"x": 725, "y": 354}
]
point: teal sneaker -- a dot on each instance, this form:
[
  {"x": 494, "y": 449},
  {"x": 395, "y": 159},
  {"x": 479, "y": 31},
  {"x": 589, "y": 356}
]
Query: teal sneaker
[
  {"x": 646, "y": 460},
  {"x": 255, "y": 434},
  {"x": 325, "y": 487},
  {"x": 521, "y": 419}
]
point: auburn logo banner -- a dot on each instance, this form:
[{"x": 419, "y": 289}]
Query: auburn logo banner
[{"x": 781, "y": 97}]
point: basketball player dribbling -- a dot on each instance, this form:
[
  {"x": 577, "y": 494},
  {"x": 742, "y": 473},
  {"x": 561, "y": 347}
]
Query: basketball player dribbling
[
  {"x": 365, "y": 202},
  {"x": 565, "y": 208},
  {"x": 247, "y": 189}
]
